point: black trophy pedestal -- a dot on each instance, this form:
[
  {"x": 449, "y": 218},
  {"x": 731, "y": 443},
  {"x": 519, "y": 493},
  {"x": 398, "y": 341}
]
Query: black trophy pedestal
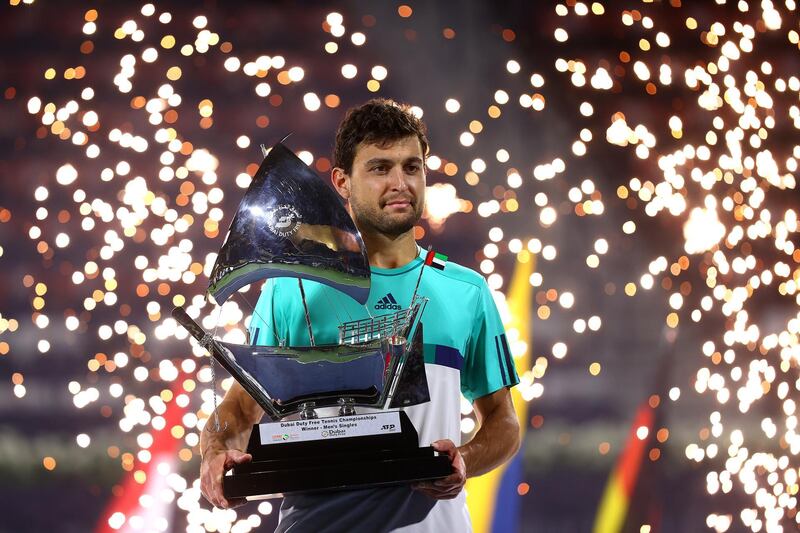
[{"x": 331, "y": 464}]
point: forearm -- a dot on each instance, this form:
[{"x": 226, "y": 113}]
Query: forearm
[
  {"x": 235, "y": 424},
  {"x": 495, "y": 442}
]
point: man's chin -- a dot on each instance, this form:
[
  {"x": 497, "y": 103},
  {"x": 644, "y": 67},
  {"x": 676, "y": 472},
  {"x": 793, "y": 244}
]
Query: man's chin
[
  {"x": 395, "y": 230},
  {"x": 396, "y": 225}
]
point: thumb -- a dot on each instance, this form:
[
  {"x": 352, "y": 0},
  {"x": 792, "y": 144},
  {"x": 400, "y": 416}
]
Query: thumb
[
  {"x": 235, "y": 457},
  {"x": 444, "y": 445}
]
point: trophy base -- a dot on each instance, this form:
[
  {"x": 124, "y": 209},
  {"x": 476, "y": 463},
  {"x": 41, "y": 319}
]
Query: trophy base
[{"x": 334, "y": 464}]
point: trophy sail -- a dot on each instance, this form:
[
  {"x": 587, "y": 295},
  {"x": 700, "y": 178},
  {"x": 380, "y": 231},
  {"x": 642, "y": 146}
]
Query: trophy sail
[{"x": 290, "y": 224}]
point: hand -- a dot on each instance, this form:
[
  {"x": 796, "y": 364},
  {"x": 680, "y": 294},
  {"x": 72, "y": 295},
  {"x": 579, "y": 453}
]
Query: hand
[
  {"x": 449, "y": 487},
  {"x": 212, "y": 468}
]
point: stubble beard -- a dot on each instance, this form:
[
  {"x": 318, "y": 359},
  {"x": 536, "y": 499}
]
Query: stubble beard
[{"x": 371, "y": 219}]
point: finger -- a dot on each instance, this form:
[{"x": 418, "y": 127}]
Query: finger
[
  {"x": 437, "y": 481},
  {"x": 236, "y": 502},
  {"x": 427, "y": 491},
  {"x": 453, "y": 478},
  {"x": 215, "y": 482},
  {"x": 441, "y": 488},
  {"x": 441, "y": 494},
  {"x": 213, "y": 495},
  {"x": 211, "y": 478},
  {"x": 443, "y": 445},
  {"x": 447, "y": 447},
  {"x": 207, "y": 488},
  {"x": 447, "y": 483},
  {"x": 213, "y": 498},
  {"x": 425, "y": 486},
  {"x": 448, "y": 491},
  {"x": 219, "y": 497},
  {"x": 214, "y": 474},
  {"x": 206, "y": 495},
  {"x": 224, "y": 501}
]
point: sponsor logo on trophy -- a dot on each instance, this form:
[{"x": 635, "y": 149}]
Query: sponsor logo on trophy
[{"x": 283, "y": 220}]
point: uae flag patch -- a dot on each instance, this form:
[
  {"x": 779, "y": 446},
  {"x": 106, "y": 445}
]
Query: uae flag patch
[{"x": 435, "y": 260}]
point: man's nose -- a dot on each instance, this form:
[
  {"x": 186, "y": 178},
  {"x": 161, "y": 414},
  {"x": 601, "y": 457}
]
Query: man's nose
[{"x": 399, "y": 180}]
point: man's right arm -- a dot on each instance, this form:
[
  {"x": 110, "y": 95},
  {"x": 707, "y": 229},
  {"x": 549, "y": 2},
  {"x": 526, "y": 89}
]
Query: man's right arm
[{"x": 221, "y": 450}]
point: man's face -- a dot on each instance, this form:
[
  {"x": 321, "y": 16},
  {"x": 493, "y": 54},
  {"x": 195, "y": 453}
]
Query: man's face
[{"x": 387, "y": 186}]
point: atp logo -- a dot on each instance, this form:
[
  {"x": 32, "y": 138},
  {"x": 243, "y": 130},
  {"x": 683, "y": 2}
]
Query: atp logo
[
  {"x": 283, "y": 220},
  {"x": 388, "y": 302}
]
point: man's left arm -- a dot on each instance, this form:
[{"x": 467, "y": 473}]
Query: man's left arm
[
  {"x": 497, "y": 439},
  {"x": 486, "y": 378},
  {"x": 495, "y": 442}
]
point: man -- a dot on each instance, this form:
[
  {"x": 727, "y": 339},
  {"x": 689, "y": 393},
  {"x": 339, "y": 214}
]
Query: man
[{"x": 379, "y": 172}]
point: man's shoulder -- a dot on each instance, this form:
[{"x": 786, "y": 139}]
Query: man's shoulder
[{"x": 459, "y": 275}]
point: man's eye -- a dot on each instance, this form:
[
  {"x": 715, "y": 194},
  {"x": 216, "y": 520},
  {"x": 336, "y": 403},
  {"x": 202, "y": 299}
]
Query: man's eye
[
  {"x": 380, "y": 169},
  {"x": 412, "y": 169}
]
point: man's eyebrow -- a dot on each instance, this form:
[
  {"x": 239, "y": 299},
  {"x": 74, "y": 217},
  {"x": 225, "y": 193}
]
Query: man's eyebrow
[
  {"x": 386, "y": 160},
  {"x": 379, "y": 160}
]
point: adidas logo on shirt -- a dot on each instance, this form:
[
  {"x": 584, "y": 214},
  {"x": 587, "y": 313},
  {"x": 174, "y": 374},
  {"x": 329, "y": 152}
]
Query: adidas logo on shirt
[{"x": 388, "y": 302}]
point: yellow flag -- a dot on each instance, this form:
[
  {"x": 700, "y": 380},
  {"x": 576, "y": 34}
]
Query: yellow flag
[{"x": 482, "y": 491}]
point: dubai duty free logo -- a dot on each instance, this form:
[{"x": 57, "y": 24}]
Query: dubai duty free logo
[{"x": 283, "y": 220}]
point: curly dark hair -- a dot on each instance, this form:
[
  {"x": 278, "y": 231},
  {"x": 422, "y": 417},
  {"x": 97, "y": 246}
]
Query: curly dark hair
[{"x": 379, "y": 121}]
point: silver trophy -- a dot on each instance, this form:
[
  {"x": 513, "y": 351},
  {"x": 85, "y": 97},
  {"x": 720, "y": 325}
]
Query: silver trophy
[{"x": 291, "y": 224}]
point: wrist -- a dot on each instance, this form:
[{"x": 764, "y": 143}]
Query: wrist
[
  {"x": 211, "y": 449},
  {"x": 465, "y": 451}
]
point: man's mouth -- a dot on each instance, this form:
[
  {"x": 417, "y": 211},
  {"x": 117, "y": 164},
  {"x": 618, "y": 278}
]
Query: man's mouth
[{"x": 398, "y": 203}]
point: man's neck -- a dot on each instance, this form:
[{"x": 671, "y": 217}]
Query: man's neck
[{"x": 390, "y": 252}]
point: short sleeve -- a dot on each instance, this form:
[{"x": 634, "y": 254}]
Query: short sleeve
[
  {"x": 264, "y": 324},
  {"x": 488, "y": 364}
]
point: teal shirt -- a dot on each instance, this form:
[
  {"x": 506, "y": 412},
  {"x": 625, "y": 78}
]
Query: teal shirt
[{"x": 462, "y": 327}]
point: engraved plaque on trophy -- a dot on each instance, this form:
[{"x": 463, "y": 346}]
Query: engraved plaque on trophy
[{"x": 290, "y": 224}]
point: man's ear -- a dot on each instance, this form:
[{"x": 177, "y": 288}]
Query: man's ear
[{"x": 341, "y": 182}]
